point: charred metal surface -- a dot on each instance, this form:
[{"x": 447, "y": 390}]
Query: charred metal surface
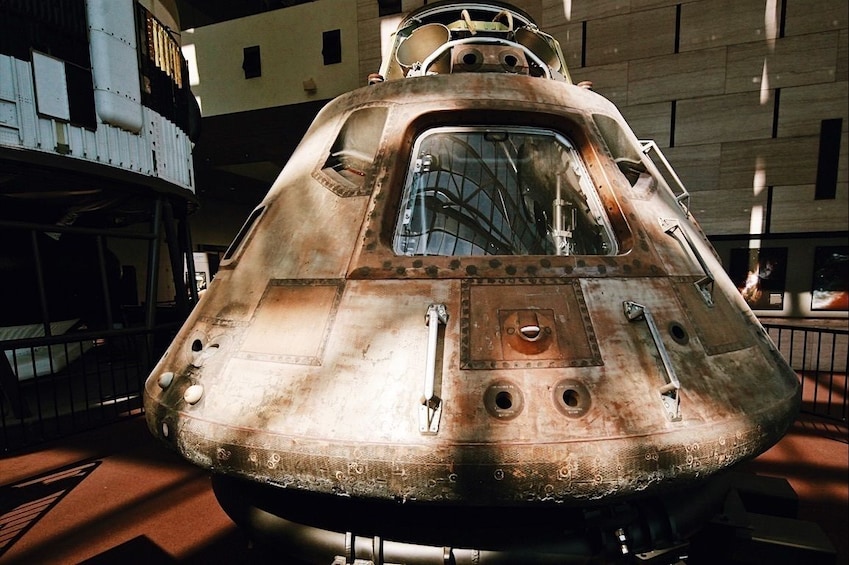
[
  {"x": 715, "y": 338},
  {"x": 292, "y": 321},
  {"x": 524, "y": 475},
  {"x": 601, "y": 356}
]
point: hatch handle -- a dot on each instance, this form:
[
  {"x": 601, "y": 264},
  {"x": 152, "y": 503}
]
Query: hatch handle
[
  {"x": 683, "y": 199},
  {"x": 430, "y": 410},
  {"x": 704, "y": 284},
  {"x": 668, "y": 392}
]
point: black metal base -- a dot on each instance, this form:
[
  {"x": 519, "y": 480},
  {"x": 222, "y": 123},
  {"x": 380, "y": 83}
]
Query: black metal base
[
  {"x": 758, "y": 525},
  {"x": 736, "y": 519},
  {"x": 323, "y": 529}
]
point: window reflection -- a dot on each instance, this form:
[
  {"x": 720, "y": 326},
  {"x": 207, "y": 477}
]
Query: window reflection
[{"x": 507, "y": 191}]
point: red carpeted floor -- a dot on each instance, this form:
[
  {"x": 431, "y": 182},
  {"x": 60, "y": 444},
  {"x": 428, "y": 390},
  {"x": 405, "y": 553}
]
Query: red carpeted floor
[{"x": 114, "y": 495}]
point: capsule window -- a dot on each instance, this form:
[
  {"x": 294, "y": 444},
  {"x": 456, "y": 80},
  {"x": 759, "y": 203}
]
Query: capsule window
[
  {"x": 623, "y": 149},
  {"x": 243, "y": 232},
  {"x": 500, "y": 191},
  {"x": 353, "y": 152}
]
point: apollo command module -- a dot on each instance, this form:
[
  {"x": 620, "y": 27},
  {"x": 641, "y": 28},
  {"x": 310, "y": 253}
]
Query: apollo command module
[{"x": 473, "y": 321}]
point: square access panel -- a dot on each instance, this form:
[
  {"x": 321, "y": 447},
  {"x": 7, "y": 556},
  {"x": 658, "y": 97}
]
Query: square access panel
[{"x": 514, "y": 324}]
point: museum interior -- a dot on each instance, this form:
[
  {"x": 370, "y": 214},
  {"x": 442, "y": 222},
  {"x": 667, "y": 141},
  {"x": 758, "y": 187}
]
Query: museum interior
[{"x": 145, "y": 143}]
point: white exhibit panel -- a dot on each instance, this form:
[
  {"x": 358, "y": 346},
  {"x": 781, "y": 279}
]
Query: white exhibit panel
[{"x": 51, "y": 87}]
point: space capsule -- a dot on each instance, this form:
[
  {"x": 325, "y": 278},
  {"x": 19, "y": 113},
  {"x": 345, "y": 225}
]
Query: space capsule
[{"x": 472, "y": 321}]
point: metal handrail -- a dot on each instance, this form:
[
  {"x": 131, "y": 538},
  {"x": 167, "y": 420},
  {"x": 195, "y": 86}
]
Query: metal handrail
[
  {"x": 683, "y": 199},
  {"x": 820, "y": 357}
]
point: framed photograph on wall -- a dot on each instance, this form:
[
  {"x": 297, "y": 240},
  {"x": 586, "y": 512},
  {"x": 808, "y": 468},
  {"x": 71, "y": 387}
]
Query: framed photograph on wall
[
  {"x": 760, "y": 275},
  {"x": 830, "y": 286}
]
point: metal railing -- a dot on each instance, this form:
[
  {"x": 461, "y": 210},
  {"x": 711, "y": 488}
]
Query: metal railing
[
  {"x": 51, "y": 387},
  {"x": 819, "y": 356},
  {"x": 77, "y": 340}
]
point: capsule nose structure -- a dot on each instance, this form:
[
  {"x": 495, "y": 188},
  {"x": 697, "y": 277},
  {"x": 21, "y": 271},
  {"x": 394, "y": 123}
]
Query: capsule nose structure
[{"x": 472, "y": 321}]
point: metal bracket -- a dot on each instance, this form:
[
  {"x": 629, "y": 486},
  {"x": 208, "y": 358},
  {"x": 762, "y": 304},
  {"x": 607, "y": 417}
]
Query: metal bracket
[
  {"x": 430, "y": 410},
  {"x": 668, "y": 392},
  {"x": 704, "y": 284}
]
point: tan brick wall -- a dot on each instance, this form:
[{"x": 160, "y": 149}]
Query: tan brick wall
[{"x": 737, "y": 107}]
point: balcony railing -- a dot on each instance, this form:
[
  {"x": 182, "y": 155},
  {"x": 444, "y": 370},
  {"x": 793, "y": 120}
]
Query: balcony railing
[
  {"x": 51, "y": 387},
  {"x": 77, "y": 335},
  {"x": 819, "y": 357}
]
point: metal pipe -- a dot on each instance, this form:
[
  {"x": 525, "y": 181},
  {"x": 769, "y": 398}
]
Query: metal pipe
[
  {"x": 153, "y": 268},
  {"x": 186, "y": 245},
  {"x": 39, "y": 276},
  {"x": 175, "y": 255},
  {"x": 104, "y": 282}
]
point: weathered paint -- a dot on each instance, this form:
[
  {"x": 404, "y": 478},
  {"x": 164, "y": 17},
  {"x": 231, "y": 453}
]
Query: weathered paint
[{"x": 311, "y": 342}]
